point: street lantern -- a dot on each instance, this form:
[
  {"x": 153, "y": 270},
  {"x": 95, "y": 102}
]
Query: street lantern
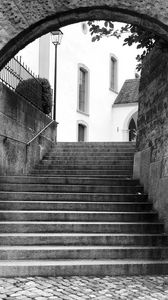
[{"x": 56, "y": 37}]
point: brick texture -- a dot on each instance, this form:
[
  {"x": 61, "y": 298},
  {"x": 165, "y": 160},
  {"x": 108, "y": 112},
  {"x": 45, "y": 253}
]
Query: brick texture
[{"x": 153, "y": 105}]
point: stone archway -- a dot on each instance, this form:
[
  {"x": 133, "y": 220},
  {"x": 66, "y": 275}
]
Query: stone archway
[{"x": 23, "y": 21}]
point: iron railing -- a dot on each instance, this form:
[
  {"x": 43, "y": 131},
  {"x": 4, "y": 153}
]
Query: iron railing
[{"x": 15, "y": 72}]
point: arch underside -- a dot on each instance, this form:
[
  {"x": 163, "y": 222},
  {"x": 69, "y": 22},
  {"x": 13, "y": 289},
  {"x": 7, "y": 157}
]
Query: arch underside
[{"x": 18, "y": 28}]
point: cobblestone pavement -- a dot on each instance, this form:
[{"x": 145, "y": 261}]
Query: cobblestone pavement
[{"x": 75, "y": 288}]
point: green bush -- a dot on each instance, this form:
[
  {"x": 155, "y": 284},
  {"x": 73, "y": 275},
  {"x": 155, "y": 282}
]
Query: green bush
[
  {"x": 46, "y": 95},
  {"x": 37, "y": 91}
]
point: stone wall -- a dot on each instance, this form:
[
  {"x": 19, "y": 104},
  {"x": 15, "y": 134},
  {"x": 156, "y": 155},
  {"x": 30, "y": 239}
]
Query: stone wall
[
  {"x": 151, "y": 160},
  {"x": 22, "y": 21},
  {"x": 153, "y": 105},
  {"x": 20, "y": 122}
]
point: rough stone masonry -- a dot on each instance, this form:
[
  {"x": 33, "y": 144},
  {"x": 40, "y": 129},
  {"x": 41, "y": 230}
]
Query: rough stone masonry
[
  {"x": 21, "y": 21},
  {"x": 152, "y": 139}
]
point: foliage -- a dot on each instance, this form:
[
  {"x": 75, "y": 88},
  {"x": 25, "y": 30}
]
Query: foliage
[
  {"x": 46, "y": 95},
  {"x": 37, "y": 91},
  {"x": 144, "y": 39}
]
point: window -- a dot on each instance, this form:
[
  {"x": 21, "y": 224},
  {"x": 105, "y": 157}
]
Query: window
[
  {"x": 81, "y": 132},
  {"x": 113, "y": 73},
  {"x": 84, "y": 27},
  {"x": 83, "y": 90},
  {"x": 132, "y": 130}
]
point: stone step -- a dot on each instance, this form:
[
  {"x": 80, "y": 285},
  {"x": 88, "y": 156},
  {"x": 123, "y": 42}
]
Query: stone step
[
  {"x": 91, "y": 197},
  {"x": 84, "y": 167},
  {"x": 82, "y": 172},
  {"x": 93, "y": 175},
  {"x": 102, "y": 157},
  {"x": 96, "y": 149},
  {"x": 91, "y": 156},
  {"x": 92, "y": 144},
  {"x": 82, "y": 267},
  {"x": 77, "y": 206},
  {"x": 26, "y": 187},
  {"x": 58, "y": 150},
  {"x": 94, "y": 154},
  {"x": 99, "y": 145},
  {"x": 80, "y": 227},
  {"x": 81, "y": 163},
  {"x": 69, "y": 180},
  {"x": 84, "y": 154},
  {"x": 82, "y": 252},
  {"x": 86, "y": 239},
  {"x": 77, "y": 216}
]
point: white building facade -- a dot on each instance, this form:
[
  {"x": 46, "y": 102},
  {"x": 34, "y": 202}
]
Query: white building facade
[{"x": 89, "y": 77}]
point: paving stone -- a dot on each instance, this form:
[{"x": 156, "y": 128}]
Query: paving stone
[{"x": 85, "y": 288}]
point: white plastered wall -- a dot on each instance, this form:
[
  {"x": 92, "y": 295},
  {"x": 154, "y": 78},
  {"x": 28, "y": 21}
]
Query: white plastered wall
[
  {"x": 76, "y": 48},
  {"x": 121, "y": 117},
  {"x": 30, "y": 56}
]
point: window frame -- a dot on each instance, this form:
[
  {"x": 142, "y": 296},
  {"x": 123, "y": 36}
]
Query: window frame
[
  {"x": 84, "y": 27},
  {"x": 113, "y": 73},
  {"x": 85, "y": 70},
  {"x": 85, "y": 125}
]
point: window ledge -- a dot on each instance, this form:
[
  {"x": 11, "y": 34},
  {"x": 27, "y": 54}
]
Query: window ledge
[
  {"x": 114, "y": 91},
  {"x": 82, "y": 112}
]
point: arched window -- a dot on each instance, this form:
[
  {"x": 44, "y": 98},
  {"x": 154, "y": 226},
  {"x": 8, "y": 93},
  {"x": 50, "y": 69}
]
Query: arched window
[
  {"x": 132, "y": 130},
  {"x": 83, "y": 84},
  {"x": 113, "y": 73}
]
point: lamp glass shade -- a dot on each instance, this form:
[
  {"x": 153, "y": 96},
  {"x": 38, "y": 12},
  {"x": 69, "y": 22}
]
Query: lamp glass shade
[{"x": 56, "y": 37}]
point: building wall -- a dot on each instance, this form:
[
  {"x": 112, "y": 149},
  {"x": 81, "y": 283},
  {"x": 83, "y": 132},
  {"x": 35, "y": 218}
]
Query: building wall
[
  {"x": 121, "y": 116},
  {"x": 101, "y": 98},
  {"x": 30, "y": 56}
]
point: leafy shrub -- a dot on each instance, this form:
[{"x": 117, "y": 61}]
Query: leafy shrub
[
  {"x": 31, "y": 90},
  {"x": 37, "y": 91},
  {"x": 46, "y": 95}
]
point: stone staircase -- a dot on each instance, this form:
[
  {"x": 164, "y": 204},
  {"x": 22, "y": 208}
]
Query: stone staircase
[{"x": 80, "y": 213}]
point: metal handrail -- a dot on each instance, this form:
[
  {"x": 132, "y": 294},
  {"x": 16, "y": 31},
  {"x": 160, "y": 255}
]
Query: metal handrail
[
  {"x": 28, "y": 143},
  {"x": 42, "y": 130}
]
